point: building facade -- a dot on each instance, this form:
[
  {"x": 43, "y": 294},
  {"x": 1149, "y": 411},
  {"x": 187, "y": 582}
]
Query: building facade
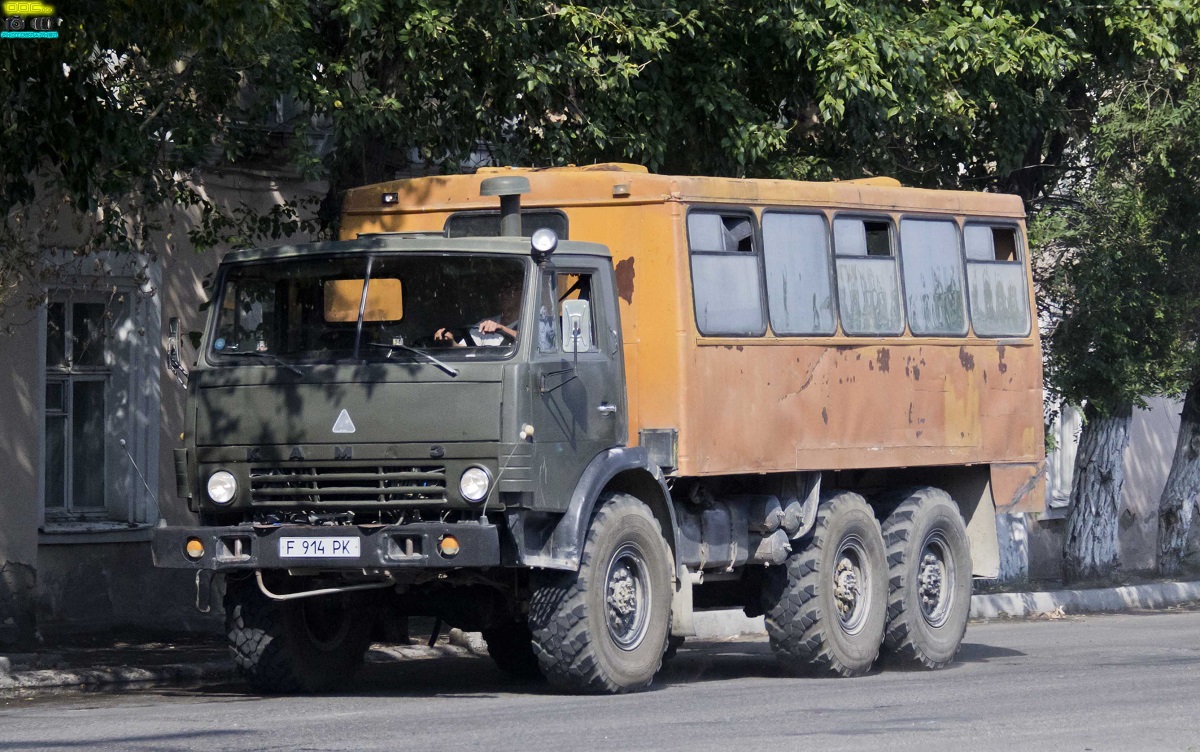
[{"x": 88, "y": 418}]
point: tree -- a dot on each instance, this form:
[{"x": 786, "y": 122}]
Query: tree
[{"x": 1126, "y": 279}]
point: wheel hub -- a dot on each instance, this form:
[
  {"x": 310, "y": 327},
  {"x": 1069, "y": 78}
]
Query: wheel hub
[
  {"x": 627, "y": 598},
  {"x": 935, "y": 573},
  {"x": 847, "y": 588},
  {"x": 621, "y": 593}
]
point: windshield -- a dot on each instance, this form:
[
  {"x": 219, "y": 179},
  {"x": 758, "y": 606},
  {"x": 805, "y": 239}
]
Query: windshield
[{"x": 370, "y": 308}]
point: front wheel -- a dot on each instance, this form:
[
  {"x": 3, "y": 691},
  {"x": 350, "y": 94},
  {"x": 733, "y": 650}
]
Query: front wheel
[
  {"x": 825, "y": 606},
  {"x": 603, "y": 629},
  {"x": 303, "y": 645}
]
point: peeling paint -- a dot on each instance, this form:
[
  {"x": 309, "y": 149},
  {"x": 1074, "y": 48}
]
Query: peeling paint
[
  {"x": 825, "y": 415},
  {"x": 967, "y": 359},
  {"x": 883, "y": 357},
  {"x": 1003, "y": 367}
]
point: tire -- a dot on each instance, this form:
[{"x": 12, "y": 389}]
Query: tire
[
  {"x": 603, "y": 629},
  {"x": 511, "y": 647},
  {"x": 825, "y": 606},
  {"x": 305, "y": 645},
  {"x": 929, "y": 579}
]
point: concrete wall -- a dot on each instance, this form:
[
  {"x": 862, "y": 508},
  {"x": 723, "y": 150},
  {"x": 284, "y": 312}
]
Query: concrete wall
[
  {"x": 1147, "y": 461},
  {"x": 20, "y": 453}
]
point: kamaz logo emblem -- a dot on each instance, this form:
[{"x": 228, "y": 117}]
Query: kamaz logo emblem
[{"x": 343, "y": 424}]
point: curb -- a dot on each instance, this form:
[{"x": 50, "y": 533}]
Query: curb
[
  {"x": 179, "y": 673},
  {"x": 1098, "y": 601}
]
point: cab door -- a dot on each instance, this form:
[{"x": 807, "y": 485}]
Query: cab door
[{"x": 578, "y": 375}]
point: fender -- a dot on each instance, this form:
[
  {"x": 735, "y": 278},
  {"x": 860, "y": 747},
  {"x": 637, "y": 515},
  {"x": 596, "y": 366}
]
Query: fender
[{"x": 565, "y": 545}]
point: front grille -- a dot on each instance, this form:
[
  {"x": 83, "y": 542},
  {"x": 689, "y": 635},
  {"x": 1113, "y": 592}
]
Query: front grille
[{"x": 341, "y": 485}]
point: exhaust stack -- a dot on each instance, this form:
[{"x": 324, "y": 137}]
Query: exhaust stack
[{"x": 509, "y": 188}]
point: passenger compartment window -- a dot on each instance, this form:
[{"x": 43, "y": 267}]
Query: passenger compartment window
[
  {"x": 867, "y": 283},
  {"x": 726, "y": 284},
  {"x": 996, "y": 281},
  {"x": 799, "y": 288},
  {"x": 933, "y": 277}
]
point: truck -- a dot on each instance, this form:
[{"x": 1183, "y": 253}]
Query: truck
[{"x": 570, "y": 408}]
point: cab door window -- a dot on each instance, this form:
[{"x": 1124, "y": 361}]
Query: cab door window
[{"x": 561, "y": 307}]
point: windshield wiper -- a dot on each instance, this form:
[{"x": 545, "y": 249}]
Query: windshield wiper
[
  {"x": 267, "y": 356},
  {"x": 391, "y": 348}
]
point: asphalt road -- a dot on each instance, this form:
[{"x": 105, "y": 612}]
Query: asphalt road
[{"x": 1129, "y": 682}]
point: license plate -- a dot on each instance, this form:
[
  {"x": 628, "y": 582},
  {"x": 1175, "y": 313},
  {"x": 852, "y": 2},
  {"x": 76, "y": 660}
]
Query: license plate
[{"x": 319, "y": 548}]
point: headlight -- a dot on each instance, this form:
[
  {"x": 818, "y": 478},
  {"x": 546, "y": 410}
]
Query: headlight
[
  {"x": 474, "y": 484},
  {"x": 222, "y": 486}
]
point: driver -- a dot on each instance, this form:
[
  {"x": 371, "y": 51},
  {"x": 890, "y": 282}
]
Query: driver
[{"x": 491, "y": 331}]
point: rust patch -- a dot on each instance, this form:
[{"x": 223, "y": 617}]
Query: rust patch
[
  {"x": 625, "y": 275},
  {"x": 740, "y": 348},
  {"x": 1000, "y": 352},
  {"x": 910, "y": 409},
  {"x": 825, "y": 415},
  {"x": 916, "y": 373},
  {"x": 870, "y": 365},
  {"x": 883, "y": 357},
  {"x": 809, "y": 376},
  {"x": 967, "y": 359}
]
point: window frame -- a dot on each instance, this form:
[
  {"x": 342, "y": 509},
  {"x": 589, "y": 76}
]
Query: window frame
[
  {"x": 957, "y": 221},
  {"x": 1021, "y": 260},
  {"x": 68, "y": 376},
  {"x": 214, "y": 358},
  {"x": 525, "y": 210},
  {"x": 894, "y": 245},
  {"x": 756, "y": 239},
  {"x": 560, "y": 347},
  {"x": 831, "y": 271}
]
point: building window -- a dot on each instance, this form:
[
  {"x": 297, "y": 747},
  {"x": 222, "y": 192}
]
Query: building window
[
  {"x": 78, "y": 381},
  {"x": 933, "y": 277},
  {"x": 996, "y": 281},
  {"x": 799, "y": 287},
  {"x": 726, "y": 284},
  {"x": 868, "y": 285}
]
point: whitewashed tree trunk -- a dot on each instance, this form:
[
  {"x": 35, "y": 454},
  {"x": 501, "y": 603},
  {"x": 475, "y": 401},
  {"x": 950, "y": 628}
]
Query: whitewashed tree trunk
[
  {"x": 1090, "y": 550},
  {"x": 1177, "y": 506}
]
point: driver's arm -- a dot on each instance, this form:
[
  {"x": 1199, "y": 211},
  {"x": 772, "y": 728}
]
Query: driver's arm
[{"x": 488, "y": 326}]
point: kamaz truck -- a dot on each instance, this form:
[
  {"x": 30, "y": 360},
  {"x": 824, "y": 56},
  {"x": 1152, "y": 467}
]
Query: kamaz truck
[{"x": 569, "y": 408}]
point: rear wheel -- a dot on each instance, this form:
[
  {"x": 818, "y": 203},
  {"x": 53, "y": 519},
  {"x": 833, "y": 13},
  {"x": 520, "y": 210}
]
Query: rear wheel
[
  {"x": 604, "y": 628},
  {"x": 825, "y": 606},
  {"x": 929, "y": 598},
  {"x": 305, "y": 645}
]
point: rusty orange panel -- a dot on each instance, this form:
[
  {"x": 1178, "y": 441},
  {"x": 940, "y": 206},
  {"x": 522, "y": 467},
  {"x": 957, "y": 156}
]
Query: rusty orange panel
[
  {"x": 769, "y": 403},
  {"x": 1019, "y": 486}
]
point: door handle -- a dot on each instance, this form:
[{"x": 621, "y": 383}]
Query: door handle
[{"x": 606, "y": 409}]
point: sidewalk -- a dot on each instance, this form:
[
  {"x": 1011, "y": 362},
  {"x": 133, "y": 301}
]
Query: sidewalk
[{"x": 87, "y": 662}]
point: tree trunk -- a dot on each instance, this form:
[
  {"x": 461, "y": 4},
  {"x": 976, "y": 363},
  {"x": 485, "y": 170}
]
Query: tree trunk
[
  {"x": 1177, "y": 505},
  {"x": 1090, "y": 550}
]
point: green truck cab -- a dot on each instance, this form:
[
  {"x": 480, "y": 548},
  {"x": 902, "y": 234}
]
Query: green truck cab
[{"x": 352, "y": 431}]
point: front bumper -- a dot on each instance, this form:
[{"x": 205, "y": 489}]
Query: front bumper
[{"x": 412, "y": 546}]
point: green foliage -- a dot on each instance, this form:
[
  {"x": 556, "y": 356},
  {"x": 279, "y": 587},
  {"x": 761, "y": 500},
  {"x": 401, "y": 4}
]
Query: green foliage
[{"x": 1120, "y": 257}]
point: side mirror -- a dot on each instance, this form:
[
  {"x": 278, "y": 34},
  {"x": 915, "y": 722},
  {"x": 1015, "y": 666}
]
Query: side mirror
[
  {"x": 576, "y": 326},
  {"x": 181, "y": 373}
]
